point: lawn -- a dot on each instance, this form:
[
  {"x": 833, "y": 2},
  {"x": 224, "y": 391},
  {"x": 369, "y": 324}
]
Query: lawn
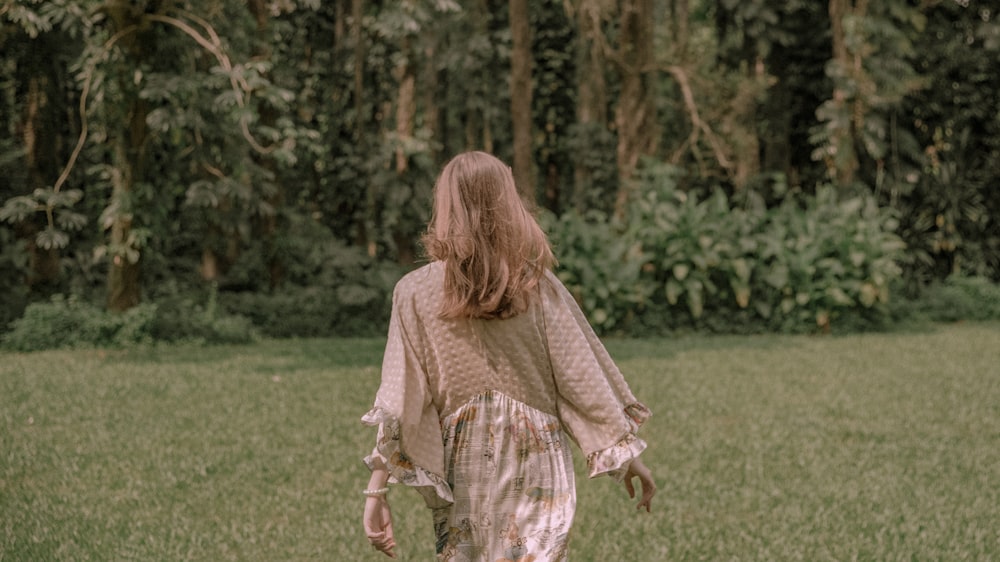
[{"x": 866, "y": 447}]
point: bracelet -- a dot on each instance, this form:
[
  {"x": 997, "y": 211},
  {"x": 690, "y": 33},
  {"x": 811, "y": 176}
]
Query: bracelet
[{"x": 378, "y": 492}]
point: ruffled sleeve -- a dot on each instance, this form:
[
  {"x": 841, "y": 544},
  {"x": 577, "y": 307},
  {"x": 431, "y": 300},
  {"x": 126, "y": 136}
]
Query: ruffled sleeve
[
  {"x": 594, "y": 401},
  {"x": 409, "y": 433}
]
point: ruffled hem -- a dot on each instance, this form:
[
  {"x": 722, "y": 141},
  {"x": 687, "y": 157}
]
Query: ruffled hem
[
  {"x": 638, "y": 413},
  {"x": 615, "y": 460},
  {"x": 432, "y": 487}
]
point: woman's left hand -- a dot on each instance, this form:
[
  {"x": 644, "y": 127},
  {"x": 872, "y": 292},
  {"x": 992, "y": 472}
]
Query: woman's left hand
[{"x": 638, "y": 469}]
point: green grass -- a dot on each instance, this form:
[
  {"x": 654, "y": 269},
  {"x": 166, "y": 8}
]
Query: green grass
[{"x": 870, "y": 447}]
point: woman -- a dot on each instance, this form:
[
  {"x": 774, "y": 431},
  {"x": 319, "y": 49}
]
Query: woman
[{"x": 489, "y": 370}]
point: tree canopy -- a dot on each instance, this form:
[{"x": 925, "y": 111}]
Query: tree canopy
[{"x": 156, "y": 147}]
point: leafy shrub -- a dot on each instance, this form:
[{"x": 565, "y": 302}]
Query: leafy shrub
[
  {"x": 331, "y": 289},
  {"x": 14, "y": 260},
  {"x": 959, "y": 298},
  {"x": 69, "y": 322},
  {"x": 827, "y": 261},
  {"x": 599, "y": 265},
  {"x": 182, "y": 319},
  {"x": 701, "y": 253},
  {"x": 810, "y": 264},
  {"x": 314, "y": 311}
]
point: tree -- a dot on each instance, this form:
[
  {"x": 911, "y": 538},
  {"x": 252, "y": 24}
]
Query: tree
[
  {"x": 772, "y": 56},
  {"x": 33, "y": 149},
  {"x": 520, "y": 98},
  {"x": 154, "y": 149},
  {"x": 944, "y": 182},
  {"x": 592, "y": 143},
  {"x": 554, "y": 102},
  {"x": 871, "y": 73},
  {"x": 635, "y": 112}
]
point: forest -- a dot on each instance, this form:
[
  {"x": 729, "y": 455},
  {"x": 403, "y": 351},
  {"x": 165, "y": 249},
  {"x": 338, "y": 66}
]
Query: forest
[{"x": 220, "y": 169}]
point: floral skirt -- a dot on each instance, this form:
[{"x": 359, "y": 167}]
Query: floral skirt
[{"x": 511, "y": 472}]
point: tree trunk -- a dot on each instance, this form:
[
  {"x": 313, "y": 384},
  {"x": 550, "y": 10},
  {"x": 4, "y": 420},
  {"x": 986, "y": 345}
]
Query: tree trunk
[
  {"x": 679, "y": 12},
  {"x": 406, "y": 104},
  {"x": 268, "y": 224},
  {"x": 742, "y": 124},
  {"x": 357, "y": 15},
  {"x": 364, "y": 236},
  {"x": 776, "y": 137},
  {"x": 844, "y": 162},
  {"x": 635, "y": 114},
  {"x": 338, "y": 22},
  {"x": 129, "y": 159},
  {"x": 40, "y": 149},
  {"x": 430, "y": 90},
  {"x": 520, "y": 98},
  {"x": 406, "y": 109},
  {"x": 592, "y": 97}
]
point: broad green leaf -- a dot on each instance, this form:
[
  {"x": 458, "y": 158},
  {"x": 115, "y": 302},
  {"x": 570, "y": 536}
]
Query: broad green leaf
[
  {"x": 52, "y": 238},
  {"x": 673, "y": 290},
  {"x": 777, "y": 276},
  {"x": 16, "y": 209},
  {"x": 681, "y": 271},
  {"x": 839, "y": 296},
  {"x": 695, "y": 302},
  {"x": 70, "y": 220},
  {"x": 742, "y": 269},
  {"x": 868, "y": 295},
  {"x": 742, "y": 293}
]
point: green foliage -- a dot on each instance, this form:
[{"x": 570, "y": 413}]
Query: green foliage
[
  {"x": 352, "y": 311},
  {"x": 70, "y": 323},
  {"x": 882, "y": 43},
  {"x": 600, "y": 267},
  {"x": 553, "y": 100},
  {"x": 58, "y": 207},
  {"x": 814, "y": 263},
  {"x": 834, "y": 259},
  {"x": 211, "y": 129},
  {"x": 183, "y": 319},
  {"x": 958, "y": 298},
  {"x": 14, "y": 262},
  {"x": 949, "y": 210},
  {"x": 329, "y": 288},
  {"x": 592, "y": 149}
]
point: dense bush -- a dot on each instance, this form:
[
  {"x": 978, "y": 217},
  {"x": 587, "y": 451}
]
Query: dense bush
[
  {"x": 296, "y": 311},
  {"x": 185, "y": 319},
  {"x": 814, "y": 263},
  {"x": 14, "y": 263},
  {"x": 331, "y": 289},
  {"x": 71, "y": 323},
  {"x": 958, "y": 298},
  {"x": 601, "y": 266}
]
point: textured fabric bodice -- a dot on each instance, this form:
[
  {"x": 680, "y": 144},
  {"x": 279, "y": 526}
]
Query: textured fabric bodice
[{"x": 547, "y": 357}]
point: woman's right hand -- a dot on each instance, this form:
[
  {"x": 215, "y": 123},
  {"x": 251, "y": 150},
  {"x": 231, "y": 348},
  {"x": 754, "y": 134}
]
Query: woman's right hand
[
  {"x": 637, "y": 469},
  {"x": 378, "y": 524}
]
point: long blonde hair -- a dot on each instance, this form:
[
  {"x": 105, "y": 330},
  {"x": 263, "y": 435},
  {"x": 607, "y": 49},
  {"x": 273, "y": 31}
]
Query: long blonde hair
[{"x": 493, "y": 250}]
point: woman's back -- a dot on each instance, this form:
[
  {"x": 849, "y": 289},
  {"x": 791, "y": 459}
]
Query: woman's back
[{"x": 490, "y": 370}]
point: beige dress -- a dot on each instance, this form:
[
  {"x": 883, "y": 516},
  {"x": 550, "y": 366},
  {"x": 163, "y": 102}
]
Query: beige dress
[{"x": 476, "y": 415}]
